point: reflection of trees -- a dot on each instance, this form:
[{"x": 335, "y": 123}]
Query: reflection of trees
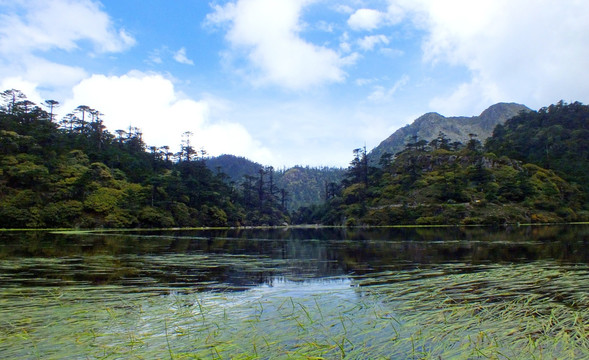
[{"x": 236, "y": 259}]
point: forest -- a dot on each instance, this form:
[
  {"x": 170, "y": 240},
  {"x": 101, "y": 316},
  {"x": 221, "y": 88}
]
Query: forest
[
  {"x": 531, "y": 170},
  {"x": 73, "y": 172}
]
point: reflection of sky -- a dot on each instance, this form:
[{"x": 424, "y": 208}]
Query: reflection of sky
[
  {"x": 281, "y": 286},
  {"x": 312, "y": 258}
]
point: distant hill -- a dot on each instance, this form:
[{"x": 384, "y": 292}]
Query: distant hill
[
  {"x": 304, "y": 185},
  {"x": 236, "y": 167},
  {"x": 428, "y": 126}
]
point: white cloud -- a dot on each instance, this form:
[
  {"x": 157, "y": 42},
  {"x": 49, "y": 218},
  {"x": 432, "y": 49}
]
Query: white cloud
[
  {"x": 368, "y": 43},
  {"x": 325, "y": 26},
  {"x": 344, "y": 44},
  {"x": 366, "y": 19},
  {"x": 155, "y": 57},
  {"x": 33, "y": 27},
  {"x": 382, "y": 94},
  {"x": 530, "y": 51},
  {"x": 58, "y": 24},
  {"x": 371, "y": 19},
  {"x": 268, "y": 32},
  {"x": 28, "y": 88},
  {"x": 180, "y": 56},
  {"x": 344, "y": 9},
  {"x": 41, "y": 71},
  {"x": 364, "y": 81},
  {"x": 391, "y": 53},
  {"x": 150, "y": 102}
]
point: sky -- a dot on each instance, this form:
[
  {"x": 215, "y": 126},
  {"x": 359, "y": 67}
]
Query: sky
[{"x": 291, "y": 82}]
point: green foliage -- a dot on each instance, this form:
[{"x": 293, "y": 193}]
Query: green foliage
[
  {"x": 213, "y": 216},
  {"x": 75, "y": 173},
  {"x": 103, "y": 200},
  {"x": 153, "y": 217},
  {"x": 427, "y": 185},
  {"x": 303, "y": 185},
  {"x": 553, "y": 138},
  {"x": 62, "y": 213}
]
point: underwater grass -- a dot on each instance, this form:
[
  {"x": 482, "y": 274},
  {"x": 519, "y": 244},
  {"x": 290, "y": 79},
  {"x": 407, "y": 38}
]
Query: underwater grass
[{"x": 537, "y": 310}]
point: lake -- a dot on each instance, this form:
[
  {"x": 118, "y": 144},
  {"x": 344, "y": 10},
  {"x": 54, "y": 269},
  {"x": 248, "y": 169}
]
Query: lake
[{"x": 308, "y": 293}]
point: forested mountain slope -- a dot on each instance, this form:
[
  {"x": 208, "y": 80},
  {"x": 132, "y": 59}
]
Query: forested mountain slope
[
  {"x": 75, "y": 173},
  {"x": 520, "y": 177},
  {"x": 308, "y": 185},
  {"x": 304, "y": 185},
  {"x": 555, "y": 137},
  {"x": 457, "y": 129}
]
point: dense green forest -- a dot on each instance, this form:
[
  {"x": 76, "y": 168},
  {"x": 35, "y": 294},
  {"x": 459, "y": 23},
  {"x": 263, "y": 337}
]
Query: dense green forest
[
  {"x": 73, "y": 172},
  {"x": 303, "y": 185},
  {"x": 555, "y": 137},
  {"x": 533, "y": 169}
]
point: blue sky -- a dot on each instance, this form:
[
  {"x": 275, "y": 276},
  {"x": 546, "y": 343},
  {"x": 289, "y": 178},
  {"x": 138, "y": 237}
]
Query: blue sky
[{"x": 286, "y": 82}]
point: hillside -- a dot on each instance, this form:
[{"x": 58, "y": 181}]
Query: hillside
[
  {"x": 532, "y": 170},
  {"x": 555, "y": 137},
  {"x": 465, "y": 186},
  {"x": 457, "y": 129},
  {"x": 304, "y": 185},
  {"x": 76, "y": 174},
  {"x": 236, "y": 167}
]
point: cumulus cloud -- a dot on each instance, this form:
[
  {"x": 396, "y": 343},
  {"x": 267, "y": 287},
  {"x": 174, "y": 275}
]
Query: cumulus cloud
[
  {"x": 27, "y": 26},
  {"x": 28, "y": 88},
  {"x": 180, "y": 56},
  {"x": 366, "y": 19},
  {"x": 370, "y": 19},
  {"x": 29, "y": 29},
  {"x": 527, "y": 51},
  {"x": 268, "y": 31},
  {"x": 151, "y": 103}
]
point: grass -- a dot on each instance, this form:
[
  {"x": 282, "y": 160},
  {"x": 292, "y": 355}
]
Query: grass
[{"x": 537, "y": 310}]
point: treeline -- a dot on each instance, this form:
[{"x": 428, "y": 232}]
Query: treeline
[
  {"x": 75, "y": 173},
  {"x": 533, "y": 169},
  {"x": 302, "y": 185},
  {"x": 555, "y": 137}
]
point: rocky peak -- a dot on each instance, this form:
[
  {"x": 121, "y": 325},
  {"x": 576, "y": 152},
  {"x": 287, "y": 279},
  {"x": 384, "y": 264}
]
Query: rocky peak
[{"x": 456, "y": 128}]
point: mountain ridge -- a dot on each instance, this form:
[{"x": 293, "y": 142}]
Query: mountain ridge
[{"x": 456, "y": 128}]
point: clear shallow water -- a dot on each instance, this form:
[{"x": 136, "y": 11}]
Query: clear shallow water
[{"x": 296, "y": 293}]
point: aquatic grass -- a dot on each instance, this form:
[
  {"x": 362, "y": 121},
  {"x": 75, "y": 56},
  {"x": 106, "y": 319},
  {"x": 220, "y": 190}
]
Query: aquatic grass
[{"x": 460, "y": 311}]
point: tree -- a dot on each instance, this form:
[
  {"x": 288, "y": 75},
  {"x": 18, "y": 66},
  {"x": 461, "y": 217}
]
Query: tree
[
  {"x": 441, "y": 142},
  {"x": 11, "y": 98},
  {"x": 473, "y": 143},
  {"x": 187, "y": 150},
  {"x": 358, "y": 169},
  {"x": 51, "y": 104}
]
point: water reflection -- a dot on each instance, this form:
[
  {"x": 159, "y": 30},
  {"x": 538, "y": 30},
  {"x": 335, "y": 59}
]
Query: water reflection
[{"x": 239, "y": 259}]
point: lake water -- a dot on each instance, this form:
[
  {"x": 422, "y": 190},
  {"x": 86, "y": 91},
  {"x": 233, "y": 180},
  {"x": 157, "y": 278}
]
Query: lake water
[{"x": 396, "y": 293}]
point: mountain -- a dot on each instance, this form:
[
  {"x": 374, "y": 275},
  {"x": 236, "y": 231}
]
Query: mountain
[
  {"x": 428, "y": 126},
  {"x": 76, "y": 174},
  {"x": 554, "y": 137},
  {"x": 304, "y": 186},
  {"x": 236, "y": 167}
]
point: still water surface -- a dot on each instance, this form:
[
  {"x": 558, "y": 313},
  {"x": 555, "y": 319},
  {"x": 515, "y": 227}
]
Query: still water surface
[{"x": 296, "y": 293}]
